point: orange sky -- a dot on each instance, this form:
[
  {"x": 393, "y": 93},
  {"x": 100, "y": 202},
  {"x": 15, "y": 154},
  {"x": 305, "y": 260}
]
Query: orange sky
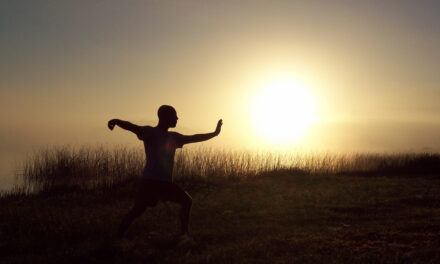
[{"x": 67, "y": 68}]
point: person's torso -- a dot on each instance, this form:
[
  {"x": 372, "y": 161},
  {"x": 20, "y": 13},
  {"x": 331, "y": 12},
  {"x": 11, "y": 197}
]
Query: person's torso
[{"x": 160, "y": 149}]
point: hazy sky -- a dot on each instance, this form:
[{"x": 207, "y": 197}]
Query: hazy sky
[{"x": 68, "y": 67}]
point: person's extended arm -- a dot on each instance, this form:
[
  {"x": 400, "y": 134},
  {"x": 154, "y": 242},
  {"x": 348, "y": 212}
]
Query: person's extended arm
[
  {"x": 203, "y": 137},
  {"x": 124, "y": 125}
]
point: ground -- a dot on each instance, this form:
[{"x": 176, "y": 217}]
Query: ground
[{"x": 279, "y": 217}]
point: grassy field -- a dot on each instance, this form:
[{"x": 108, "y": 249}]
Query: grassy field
[{"x": 247, "y": 208}]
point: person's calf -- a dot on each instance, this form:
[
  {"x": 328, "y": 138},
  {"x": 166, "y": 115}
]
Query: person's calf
[{"x": 185, "y": 212}]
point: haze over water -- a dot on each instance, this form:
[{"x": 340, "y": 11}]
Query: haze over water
[{"x": 67, "y": 68}]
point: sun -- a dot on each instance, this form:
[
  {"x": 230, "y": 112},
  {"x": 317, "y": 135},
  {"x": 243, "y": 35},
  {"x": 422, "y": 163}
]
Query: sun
[{"x": 282, "y": 111}]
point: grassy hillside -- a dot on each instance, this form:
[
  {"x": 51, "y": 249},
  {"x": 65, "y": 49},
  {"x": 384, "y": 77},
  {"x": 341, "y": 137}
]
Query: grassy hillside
[{"x": 332, "y": 209}]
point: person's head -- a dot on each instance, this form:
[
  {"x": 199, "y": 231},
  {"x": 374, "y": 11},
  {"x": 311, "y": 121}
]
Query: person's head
[{"x": 167, "y": 116}]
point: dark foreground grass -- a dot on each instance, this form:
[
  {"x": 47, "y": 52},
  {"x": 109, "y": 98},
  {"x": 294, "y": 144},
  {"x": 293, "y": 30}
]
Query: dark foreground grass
[{"x": 275, "y": 217}]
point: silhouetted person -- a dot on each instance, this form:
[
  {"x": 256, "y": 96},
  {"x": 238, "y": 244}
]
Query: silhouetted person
[{"x": 156, "y": 183}]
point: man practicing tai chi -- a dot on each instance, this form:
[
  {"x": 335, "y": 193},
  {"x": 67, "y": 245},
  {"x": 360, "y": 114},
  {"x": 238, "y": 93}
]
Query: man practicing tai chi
[{"x": 156, "y": 182}]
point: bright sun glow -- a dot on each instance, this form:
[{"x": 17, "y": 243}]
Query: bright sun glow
[{"x": 283, "y": 111}]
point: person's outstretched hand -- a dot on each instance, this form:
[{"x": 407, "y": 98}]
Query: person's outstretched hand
[
  {"x": 219, "y": 127},
  {"x": 111, "y": 124}
]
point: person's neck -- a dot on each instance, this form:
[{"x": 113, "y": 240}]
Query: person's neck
[{"x": 162, "y": 127}]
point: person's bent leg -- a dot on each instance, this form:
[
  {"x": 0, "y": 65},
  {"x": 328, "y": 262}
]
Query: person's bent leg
[
  {"x": 174, "y": 193},
  {"x": 185, "y": 211}
]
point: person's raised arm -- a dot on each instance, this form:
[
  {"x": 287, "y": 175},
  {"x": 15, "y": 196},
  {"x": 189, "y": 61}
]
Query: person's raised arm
[
  {"x": 203, "y": 137},
  {"x": 124, "y": 125}
]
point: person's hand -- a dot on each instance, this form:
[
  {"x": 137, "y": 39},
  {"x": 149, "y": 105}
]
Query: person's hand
[
  {"x": 111, "y": 124},
  {"x": 219, "y": 127}
]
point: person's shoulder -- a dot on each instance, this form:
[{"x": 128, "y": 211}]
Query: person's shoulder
[
  {"x": 145, "y": 132},
  {"x": 175, "y": 134},
  {"x": 146, "y": 129}
]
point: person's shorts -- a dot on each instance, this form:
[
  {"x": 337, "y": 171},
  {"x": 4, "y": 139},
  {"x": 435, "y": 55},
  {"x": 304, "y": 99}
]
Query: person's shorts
[{"x": 150, "y": 192}]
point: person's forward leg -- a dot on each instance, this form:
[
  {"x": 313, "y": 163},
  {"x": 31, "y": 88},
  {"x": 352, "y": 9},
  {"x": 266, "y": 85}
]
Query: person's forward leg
[
  {"x": 174, "y": 193},
  {"x": 185, "y": 240},
  {"x": 185, "y": 211}
]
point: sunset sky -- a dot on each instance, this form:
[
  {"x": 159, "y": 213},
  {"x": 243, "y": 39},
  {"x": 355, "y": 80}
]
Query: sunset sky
[{"x": 371, "y": 67}]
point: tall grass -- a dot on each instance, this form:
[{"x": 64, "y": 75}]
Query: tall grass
[
  {"x": 88, "y": 167},
  {"x": 84, "y": 167}
]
